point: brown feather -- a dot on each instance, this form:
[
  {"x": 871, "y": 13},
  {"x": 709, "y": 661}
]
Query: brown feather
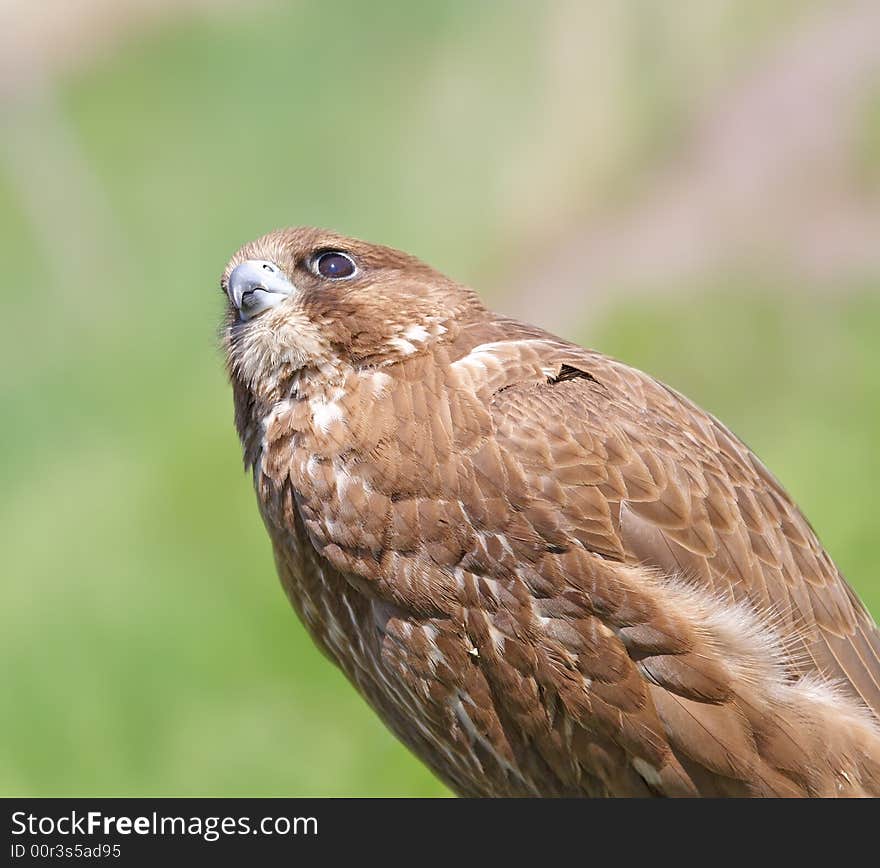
[{"x": 549, "y": 573}]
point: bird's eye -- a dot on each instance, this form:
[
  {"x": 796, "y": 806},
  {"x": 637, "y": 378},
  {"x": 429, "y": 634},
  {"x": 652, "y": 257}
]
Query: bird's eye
[{"x": 335, "y": 265}]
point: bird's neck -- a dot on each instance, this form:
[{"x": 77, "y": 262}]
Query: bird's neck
[{"x": 340, "y": 405}]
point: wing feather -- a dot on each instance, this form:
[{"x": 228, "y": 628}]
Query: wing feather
[{"x": 699, "y": 501}]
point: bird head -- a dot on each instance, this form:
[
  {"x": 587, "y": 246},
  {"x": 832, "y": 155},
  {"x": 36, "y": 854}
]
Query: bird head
[{"x": 304, "y": 298}]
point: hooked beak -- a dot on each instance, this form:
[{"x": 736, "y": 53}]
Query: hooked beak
[{"x": 256, "y": 285}]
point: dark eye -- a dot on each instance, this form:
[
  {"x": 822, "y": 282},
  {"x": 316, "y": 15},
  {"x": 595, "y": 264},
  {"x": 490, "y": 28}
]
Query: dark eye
[{"x": 335, "y": 265}]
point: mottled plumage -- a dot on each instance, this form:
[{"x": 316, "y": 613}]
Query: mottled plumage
[{"x": 548, "y": 573}]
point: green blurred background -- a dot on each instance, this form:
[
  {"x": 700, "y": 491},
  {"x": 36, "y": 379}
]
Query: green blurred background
[{"x": 693, "y": 188}]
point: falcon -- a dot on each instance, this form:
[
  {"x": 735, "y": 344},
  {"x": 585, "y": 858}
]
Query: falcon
[{"x": 547, "y": 572}]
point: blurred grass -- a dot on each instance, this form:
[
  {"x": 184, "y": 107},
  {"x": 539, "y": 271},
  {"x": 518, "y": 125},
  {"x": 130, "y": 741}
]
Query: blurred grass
[{"x": 148, "y": 646}]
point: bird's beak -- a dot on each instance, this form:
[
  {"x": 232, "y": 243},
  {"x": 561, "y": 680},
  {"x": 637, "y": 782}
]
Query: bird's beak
[{"x": 256, "y": 285}]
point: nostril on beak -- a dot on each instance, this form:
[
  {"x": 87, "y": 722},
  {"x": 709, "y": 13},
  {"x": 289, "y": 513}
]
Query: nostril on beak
[{"x": 257, "y": 285}]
